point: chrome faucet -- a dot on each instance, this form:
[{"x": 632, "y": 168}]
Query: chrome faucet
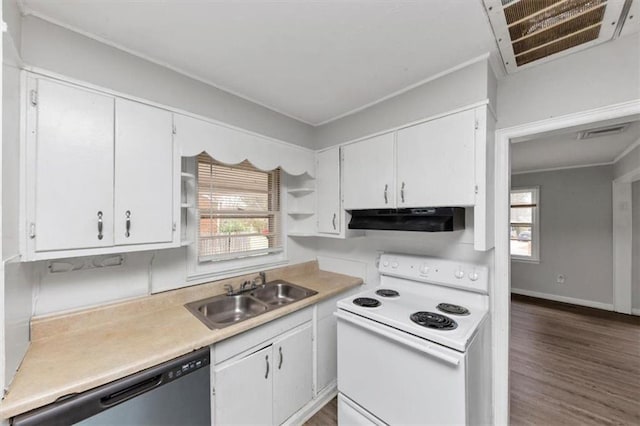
[
  {"x": 262, "y": 277},
  {"x": 229, "y": 289}
]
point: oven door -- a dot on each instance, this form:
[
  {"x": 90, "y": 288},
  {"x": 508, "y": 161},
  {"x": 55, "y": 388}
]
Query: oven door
[{"x": 397, "y": 377}]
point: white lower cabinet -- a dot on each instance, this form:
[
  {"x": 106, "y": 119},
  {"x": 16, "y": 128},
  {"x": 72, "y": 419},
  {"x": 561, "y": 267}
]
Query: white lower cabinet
[
  {"x": 268, "y": 385},
  {"x": 327, "y": 351},
  {"x": 293, "y": 373},
  {"x": 244, "y": 389}
]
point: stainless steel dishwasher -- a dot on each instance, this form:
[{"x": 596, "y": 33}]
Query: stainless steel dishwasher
[{"x": 173, "y": 393}]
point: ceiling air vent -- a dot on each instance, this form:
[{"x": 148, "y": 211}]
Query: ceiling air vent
[
  {"x": 603, "y": 131},
  {"x": 533, "y": 31}
]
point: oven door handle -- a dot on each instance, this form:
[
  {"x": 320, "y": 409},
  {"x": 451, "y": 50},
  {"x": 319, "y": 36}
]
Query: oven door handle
[{"x": 420, "y": 347}]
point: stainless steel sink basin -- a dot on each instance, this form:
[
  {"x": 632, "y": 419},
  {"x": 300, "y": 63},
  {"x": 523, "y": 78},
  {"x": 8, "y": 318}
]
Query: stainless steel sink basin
[
  {"x": 225, "y": 310},
  {"x": 278, "y": 293}
]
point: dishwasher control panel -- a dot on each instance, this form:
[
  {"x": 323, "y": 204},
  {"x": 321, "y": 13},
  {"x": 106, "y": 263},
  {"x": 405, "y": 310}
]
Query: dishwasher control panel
[{"x": 187, "y": 367}]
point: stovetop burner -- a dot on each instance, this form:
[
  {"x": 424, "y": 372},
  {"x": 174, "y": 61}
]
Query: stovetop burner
[
  {"x": 433, "y": 320},
  {"x": 385, "y": 292},
  {"x": 452, "y": 309},
  {"x": 366, "y": 302}
]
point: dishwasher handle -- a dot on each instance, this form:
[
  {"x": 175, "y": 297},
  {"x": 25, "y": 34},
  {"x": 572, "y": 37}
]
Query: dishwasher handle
[{"x": 128, "y": 392}]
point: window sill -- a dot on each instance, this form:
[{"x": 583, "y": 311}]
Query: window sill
[
  {"x": 525, "y": 260},
  {"x": 213, "y": 271}
]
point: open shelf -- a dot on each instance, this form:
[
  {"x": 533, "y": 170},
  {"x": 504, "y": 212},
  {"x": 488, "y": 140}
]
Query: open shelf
[
  {"x": 302, "y": 234},
  {"x": 301, "y": 213},
  {"x": 300, "y": 191}
]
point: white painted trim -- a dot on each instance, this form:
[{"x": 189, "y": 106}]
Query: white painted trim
[
  {"x": 313, "y": 406},
  {"x": 69, "y": 80},
  {"x": 405, "y": 125},
  {"x": 500, "y": 289},
  {"x": 626, "y": 151},
  {"x": 28, "y": 11},
  {"x": 553, "y": 169},
  {"x": 564, "y": 299},
  {"x": 407, "y": 88}
]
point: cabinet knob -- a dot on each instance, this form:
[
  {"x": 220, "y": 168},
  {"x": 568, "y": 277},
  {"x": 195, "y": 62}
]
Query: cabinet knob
[
  {"x": 127, "y": 233},
  {"x": 100, "y": 225}
]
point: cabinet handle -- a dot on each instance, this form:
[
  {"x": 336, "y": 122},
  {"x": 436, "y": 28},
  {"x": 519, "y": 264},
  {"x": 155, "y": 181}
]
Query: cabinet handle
[
  {"x": 386, "y": 200},
  {"x": 100, "y": 225},
  {"x": 333, "y": 221},
  {"x": 281, "y": 358},
  {"x": 128, "y": 223},
  {"x": 266, "y": 375},
  {"x": 402, "y": 192}
]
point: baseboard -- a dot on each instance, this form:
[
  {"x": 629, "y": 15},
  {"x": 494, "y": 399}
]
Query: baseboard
[
  {"x": 313, "y": 406},
  {"x": 564, "y": 299}
]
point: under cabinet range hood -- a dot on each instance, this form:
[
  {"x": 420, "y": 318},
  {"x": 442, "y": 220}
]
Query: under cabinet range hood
[{"x": 425, "y": 219}]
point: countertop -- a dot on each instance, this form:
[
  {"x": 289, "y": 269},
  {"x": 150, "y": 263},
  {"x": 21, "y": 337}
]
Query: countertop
[{"x": 77, "y": 351}]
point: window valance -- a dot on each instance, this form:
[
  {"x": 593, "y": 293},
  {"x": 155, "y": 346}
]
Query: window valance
[{"x": 233, "y": 146}]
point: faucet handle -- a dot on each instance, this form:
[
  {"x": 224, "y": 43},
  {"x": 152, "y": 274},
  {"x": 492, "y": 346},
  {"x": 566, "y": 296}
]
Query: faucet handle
[{"x": 229, "y": 289}]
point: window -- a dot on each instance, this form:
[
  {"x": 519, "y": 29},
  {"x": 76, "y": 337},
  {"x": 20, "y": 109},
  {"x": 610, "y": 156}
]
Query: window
[
  {"x": 525, "y": 224},
  {"x": 239, "y": 209}
]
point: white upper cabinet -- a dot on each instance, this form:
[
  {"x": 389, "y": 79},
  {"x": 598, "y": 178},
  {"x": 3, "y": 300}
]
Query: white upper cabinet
[
  {"x": 143, "y": 174},
  {"x": 369, "y": 174},
  {"x": 436, "y": 162},
  {"x": 99, "y": 173},
  {"x": 72, "y": 154},
  {"x": 328, "y": 191}
]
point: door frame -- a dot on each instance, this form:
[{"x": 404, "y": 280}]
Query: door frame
[
  {"x": 500, "y": 297},
  {"x": 623, "y": 242}
]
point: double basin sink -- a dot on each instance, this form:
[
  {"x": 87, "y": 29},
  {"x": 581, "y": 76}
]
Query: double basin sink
[{"x": 225, "y": 310}]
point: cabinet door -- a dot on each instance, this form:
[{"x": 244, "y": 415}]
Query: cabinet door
[
  {"x": 293, "y": 375},
  {"x": 436, "y": 162},
  {"x": 74, "y": 168},
  {"x": 243, "y": 390},
  {"x": 369, "y": 173},
  {"x": 143, "y": 174},
  {"x": 328, "y": 191},
  {"x": 327, "y": 351}
]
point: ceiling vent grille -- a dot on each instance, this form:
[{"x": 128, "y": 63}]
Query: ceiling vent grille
[
  {"x": 603, "y": 131},
  {"x": 531, "y": 31}
]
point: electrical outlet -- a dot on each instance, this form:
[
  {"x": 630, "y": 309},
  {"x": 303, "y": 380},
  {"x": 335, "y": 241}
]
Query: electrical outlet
[{"x": 560, "y": 279}]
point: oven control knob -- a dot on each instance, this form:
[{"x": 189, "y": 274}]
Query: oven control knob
[
  {"x": 473, "y": 276},
  {"x": 394, "y": 265},
  {"x": 459, "y": 273},
  {"x": 424, "y": 270},
  {"x": 385, "y": 263}
]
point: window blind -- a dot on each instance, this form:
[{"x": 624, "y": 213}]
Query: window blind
[{"x": 239, "y": 209}]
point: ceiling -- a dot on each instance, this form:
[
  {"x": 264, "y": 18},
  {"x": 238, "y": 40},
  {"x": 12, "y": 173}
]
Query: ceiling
[
  {"x": 312, "y": 60},
  {"x": 563, "y": 149}
]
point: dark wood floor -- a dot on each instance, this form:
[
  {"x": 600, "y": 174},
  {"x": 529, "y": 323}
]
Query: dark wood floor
[
  {"x": 569, "y": 366},
  {"x": 572, "y": 365},
  {"x": 328, "y": 416}
]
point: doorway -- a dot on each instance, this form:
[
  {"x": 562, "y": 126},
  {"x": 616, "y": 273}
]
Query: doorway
[{"x": 501, "y": 290}]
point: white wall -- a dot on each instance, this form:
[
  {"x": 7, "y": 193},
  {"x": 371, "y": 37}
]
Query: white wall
[
  {"x": 54, "y": 48},
  {"x": 604, "y": 75},
  {"x": 635, "y": 256},
  {"x": 473, "y": 83},
  {"x": 576, "y": 236}
]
